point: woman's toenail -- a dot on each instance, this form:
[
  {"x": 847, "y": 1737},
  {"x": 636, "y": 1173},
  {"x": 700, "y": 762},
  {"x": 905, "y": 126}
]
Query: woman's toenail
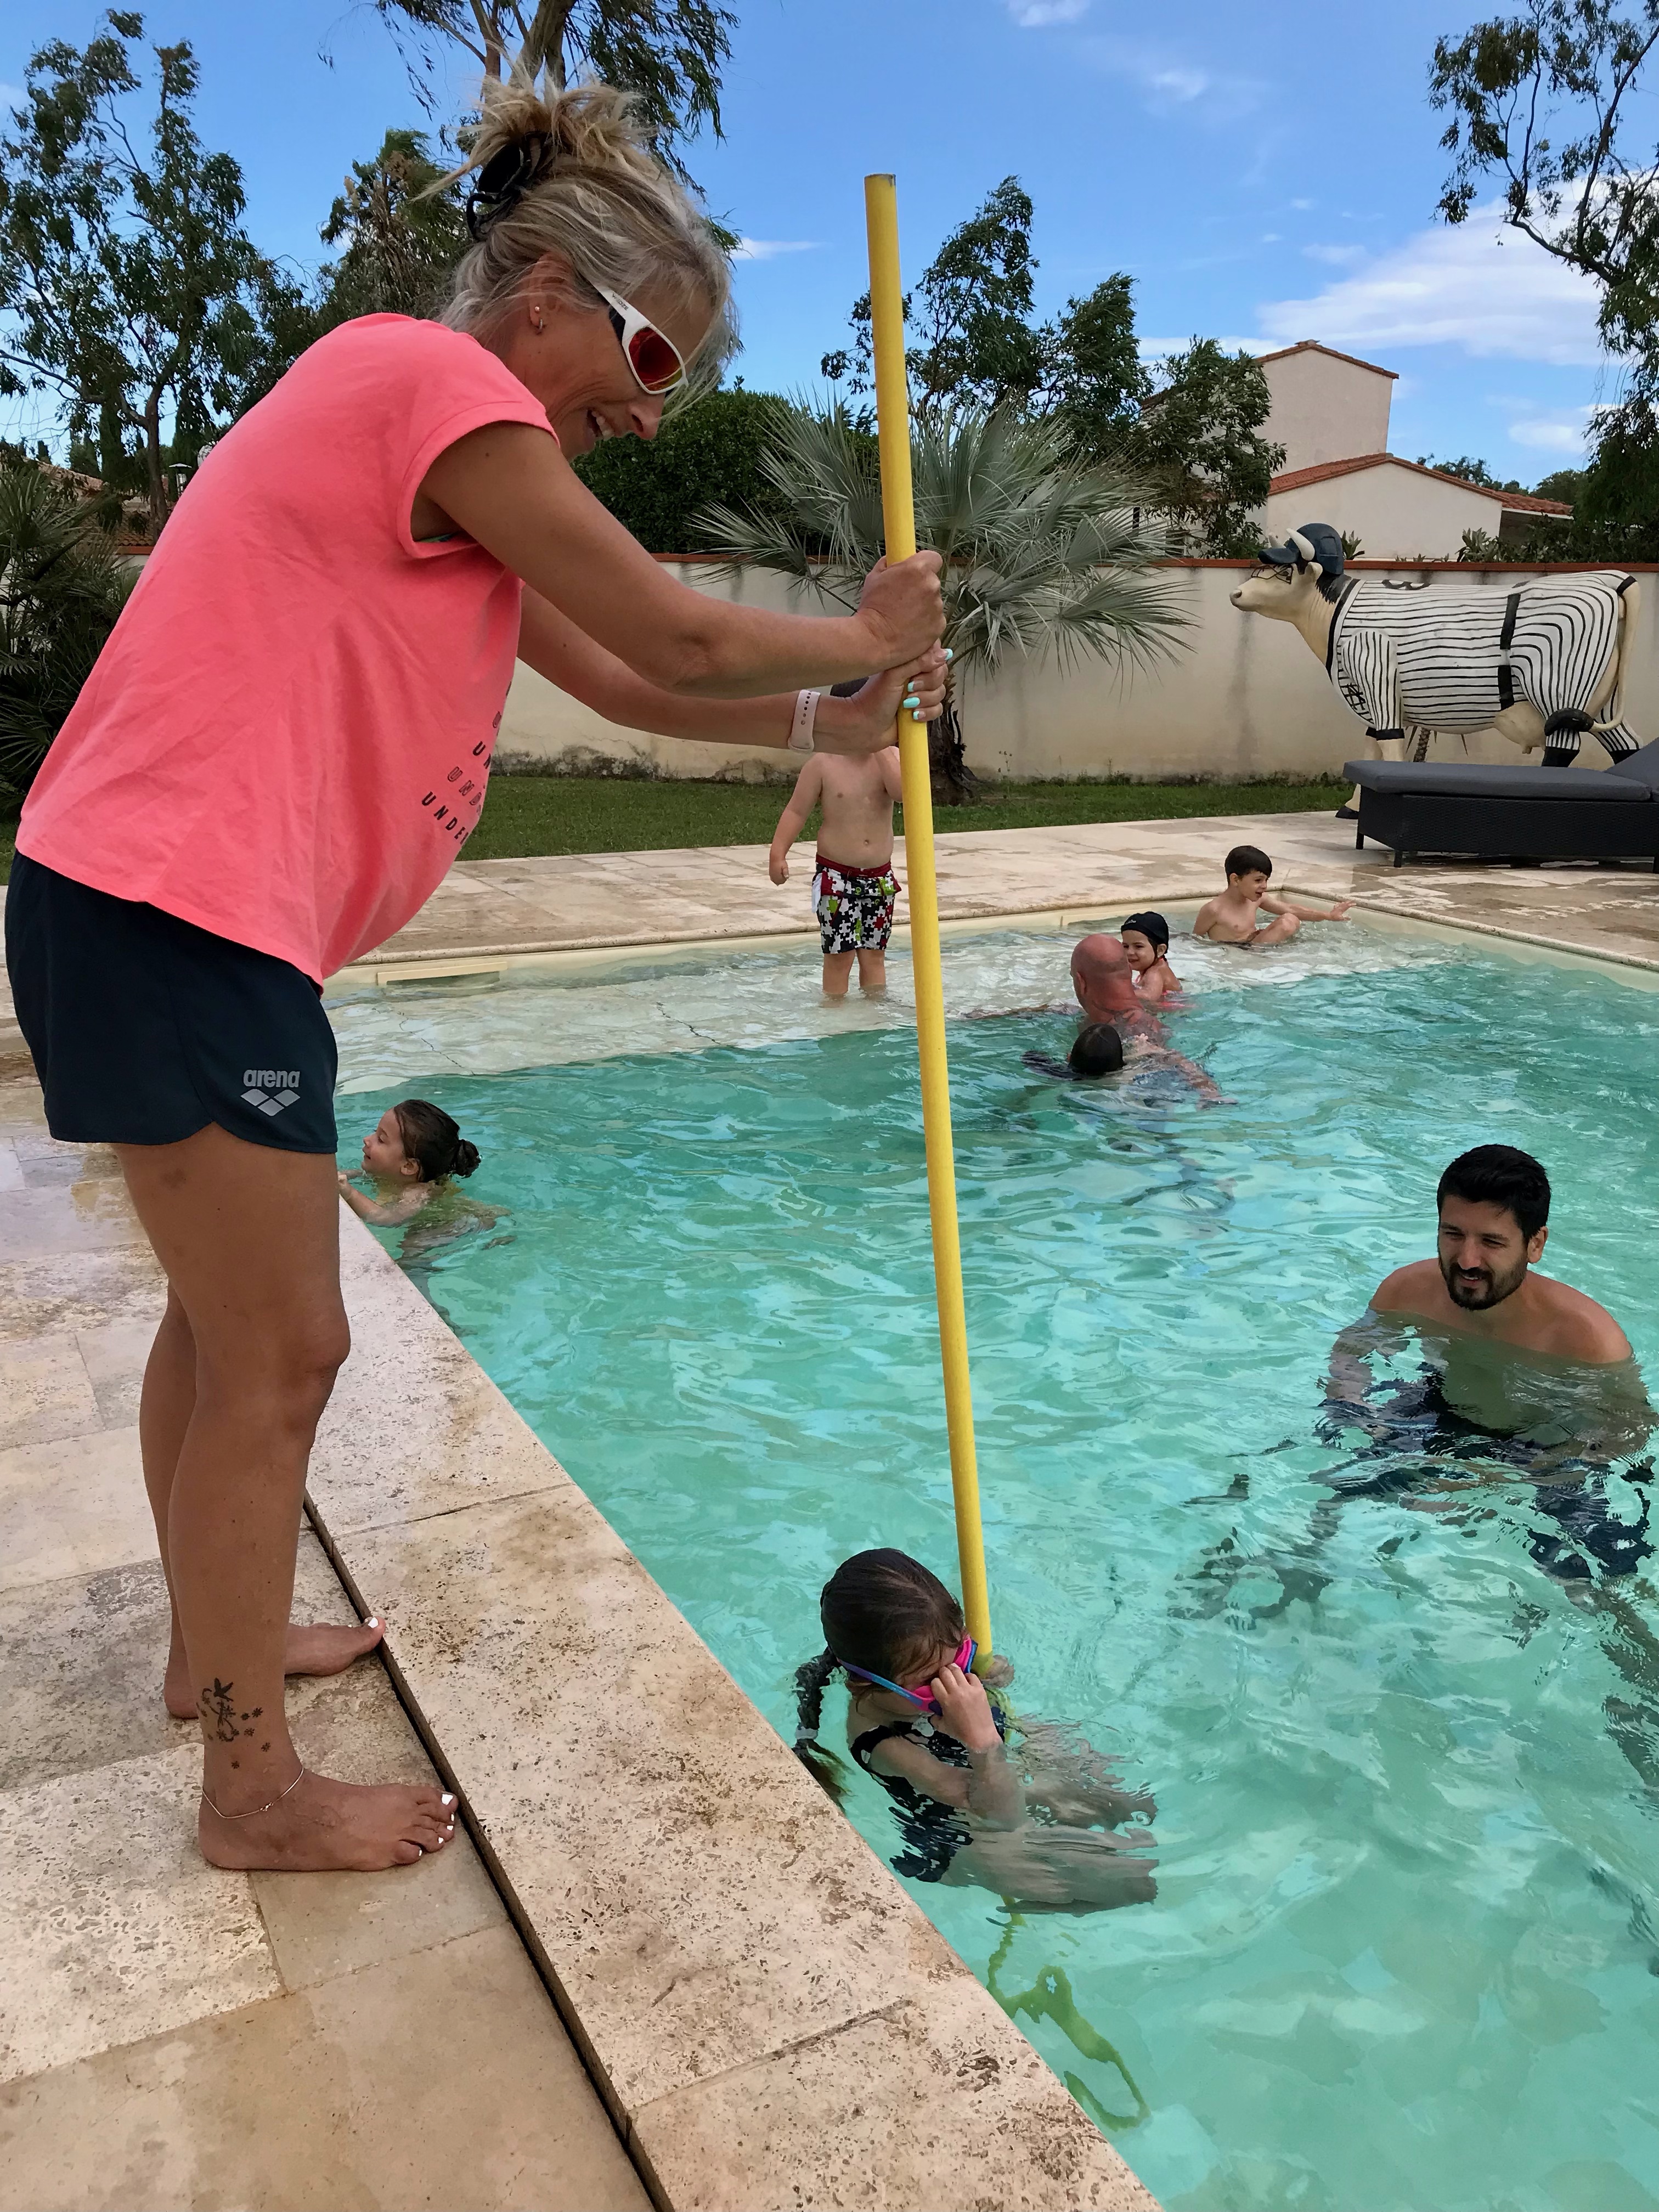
[
  {"x": 373, "y": 1620},
  {"x": 449, "y": 1797}
]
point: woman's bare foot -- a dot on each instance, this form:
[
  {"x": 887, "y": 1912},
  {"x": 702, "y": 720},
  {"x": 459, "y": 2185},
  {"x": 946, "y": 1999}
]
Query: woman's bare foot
[
  {"x": 323, "y": 1826},
  {"x": 313, "y": 1648}
]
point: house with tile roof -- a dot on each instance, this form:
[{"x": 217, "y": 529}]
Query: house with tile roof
[{"x": 1330, "y": 413}]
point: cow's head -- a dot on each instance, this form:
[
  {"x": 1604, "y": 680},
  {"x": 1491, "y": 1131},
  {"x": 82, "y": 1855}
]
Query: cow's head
[{"x": 1307, "y": 566}]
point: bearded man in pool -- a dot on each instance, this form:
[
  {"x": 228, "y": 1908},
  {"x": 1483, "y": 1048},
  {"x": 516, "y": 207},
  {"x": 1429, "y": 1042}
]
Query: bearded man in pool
[
  {"x": 1533, "y": 1380},
  {"x": 1494, "y": 1206}
]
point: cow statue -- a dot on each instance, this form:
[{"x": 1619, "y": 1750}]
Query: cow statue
[{"x": 1539, "y": 664}]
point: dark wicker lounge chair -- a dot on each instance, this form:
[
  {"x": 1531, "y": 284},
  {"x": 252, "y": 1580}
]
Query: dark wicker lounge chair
[{"x": 1511, "y": 813}]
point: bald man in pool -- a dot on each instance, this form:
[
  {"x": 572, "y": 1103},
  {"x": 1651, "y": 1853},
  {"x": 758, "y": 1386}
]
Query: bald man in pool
[{"x": 1104, "y": 986}]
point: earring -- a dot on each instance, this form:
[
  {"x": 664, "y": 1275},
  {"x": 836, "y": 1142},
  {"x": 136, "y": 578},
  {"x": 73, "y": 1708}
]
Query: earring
[{"x": 535, "y": 320}]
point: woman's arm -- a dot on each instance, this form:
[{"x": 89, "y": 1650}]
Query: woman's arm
[
  {"x": 555, "y": 648},
  {"x": 511, "y": 490}
]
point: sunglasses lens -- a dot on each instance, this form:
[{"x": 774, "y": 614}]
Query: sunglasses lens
[{"x": 656, "y": 362}]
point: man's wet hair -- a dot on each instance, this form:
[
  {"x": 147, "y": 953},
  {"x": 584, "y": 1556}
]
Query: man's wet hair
[
  {"x": 1246, "y": 861},
  {"x": 1499, "y": 1175},
  {"x": 1097, "y": 1050}
]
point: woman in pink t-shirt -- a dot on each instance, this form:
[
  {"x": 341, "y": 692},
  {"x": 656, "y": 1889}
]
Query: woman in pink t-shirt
[{"x": 281, "y": 749}]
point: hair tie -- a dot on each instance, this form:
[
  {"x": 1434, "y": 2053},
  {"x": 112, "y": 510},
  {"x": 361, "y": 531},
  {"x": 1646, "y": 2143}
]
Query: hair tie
[{"x": 503, "y": 182}]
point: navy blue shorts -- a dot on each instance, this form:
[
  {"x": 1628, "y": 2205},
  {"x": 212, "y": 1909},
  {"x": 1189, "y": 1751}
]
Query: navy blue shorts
[{"x": 144, "y": 1029}]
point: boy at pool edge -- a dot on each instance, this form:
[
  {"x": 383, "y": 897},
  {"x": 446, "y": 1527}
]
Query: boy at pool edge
[
  {"x": 919, "y": 1721},
  {"x": 1231, "y": 918},
  {"x": 853, "y": 886}
]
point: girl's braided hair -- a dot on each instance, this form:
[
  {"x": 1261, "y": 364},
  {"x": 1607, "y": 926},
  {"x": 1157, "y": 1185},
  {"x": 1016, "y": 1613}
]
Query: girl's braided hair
[{"x": 882, "y": 1610}]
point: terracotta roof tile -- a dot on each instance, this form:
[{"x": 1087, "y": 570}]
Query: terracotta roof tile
[
  {"x": 1517, "y": 502},
  {"x": 1312, "y": 345}
]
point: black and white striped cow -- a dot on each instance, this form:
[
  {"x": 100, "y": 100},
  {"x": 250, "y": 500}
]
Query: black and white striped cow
[{"x": 1541, "y": 664}]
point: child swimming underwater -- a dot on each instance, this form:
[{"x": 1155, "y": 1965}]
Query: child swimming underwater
[
  {"x": 1097, "y": 1050},
  {"x": 1031, "y": 1827},
  {"x": 410, "y": 1156}
]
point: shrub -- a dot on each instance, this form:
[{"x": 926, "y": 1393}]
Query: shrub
[
  {"x": 63, "y": 587},
  {"x": 709, "y": 452}
]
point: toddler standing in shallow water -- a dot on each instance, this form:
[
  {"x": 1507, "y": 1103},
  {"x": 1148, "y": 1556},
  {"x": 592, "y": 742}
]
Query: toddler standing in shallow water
[
  {"x": 1031, "y": 1829},
  {"x": 853, "y": 886}
]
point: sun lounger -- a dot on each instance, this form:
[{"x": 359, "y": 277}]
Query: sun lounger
[{"x": 1511, "y": 813}]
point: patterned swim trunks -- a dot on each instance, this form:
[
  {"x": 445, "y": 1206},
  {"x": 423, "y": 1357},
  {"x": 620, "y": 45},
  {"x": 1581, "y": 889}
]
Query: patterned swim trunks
[{"x": 855, "y": 905}]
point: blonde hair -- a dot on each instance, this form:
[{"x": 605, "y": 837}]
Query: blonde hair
[{"x": 600, "y": 197}]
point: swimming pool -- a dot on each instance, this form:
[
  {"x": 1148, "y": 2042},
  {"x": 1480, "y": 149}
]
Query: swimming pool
[{"x": 1404, "y": 1950}]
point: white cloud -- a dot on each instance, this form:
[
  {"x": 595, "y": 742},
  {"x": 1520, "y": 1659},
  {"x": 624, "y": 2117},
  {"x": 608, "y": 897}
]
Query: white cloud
[
  {"x": 768, "y": 249},
  {"x": 1476, "y": 285},
  {"x": 1340, "y": 257},
  {"x": 1560, "y": 433},
  {"x": 1304, "y": 204},
  {"x": 1042, "y": 14},
  {"x": 1169, "y": 81},
  {"x": 1161, "y": 348}
]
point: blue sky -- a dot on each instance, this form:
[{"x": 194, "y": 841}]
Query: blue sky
[{"x": 1265, "y": 173}]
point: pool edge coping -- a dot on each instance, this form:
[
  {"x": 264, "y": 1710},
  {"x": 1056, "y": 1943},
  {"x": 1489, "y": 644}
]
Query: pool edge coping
[
  {"x": 931, "y": 1992},
  {"x": 377, "y": 974}
]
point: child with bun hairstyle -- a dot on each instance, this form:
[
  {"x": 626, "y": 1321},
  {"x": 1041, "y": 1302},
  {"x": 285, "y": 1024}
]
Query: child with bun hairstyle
[
  {"x": 1146, "y": 941},
  {"x": 1032, "y": 1826},
  {"x": 409, "y": 1156}
]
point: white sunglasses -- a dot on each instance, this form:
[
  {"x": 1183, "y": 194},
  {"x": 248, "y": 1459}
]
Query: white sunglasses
[{"x": 656, "y": 361}]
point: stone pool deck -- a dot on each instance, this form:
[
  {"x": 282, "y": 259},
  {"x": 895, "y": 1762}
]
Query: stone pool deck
[
  {"x": 588, "y": 900},
  {"x": 659, "y": 1967}
]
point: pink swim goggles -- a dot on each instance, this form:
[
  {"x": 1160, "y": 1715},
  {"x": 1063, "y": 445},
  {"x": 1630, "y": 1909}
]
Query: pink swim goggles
[{"x": 965, "y": 1653}]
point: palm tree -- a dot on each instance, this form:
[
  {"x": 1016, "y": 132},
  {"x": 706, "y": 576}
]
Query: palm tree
[
  {"x": 61, "y": 586},
  {"x": 1041, "y": 553}
]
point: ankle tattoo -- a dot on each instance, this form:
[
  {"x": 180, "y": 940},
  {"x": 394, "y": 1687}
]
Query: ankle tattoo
[{"x": 217, "y": 1706}]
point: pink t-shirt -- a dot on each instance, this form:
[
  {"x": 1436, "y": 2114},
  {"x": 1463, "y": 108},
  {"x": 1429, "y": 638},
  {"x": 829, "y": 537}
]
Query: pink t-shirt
[{"x": 286, "y": 738}]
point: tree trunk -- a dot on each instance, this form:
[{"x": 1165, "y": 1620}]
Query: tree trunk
[
  {"x": 153, "y": 468},
  {"x": 954, "y": 782}
]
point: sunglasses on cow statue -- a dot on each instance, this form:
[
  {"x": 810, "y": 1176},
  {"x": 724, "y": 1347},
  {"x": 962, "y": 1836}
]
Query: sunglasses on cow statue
[
  {"x": 655, "y": 359},
  {"x": 965, "y": 1653}
]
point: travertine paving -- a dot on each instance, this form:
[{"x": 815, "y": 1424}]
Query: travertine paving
[
  {"x": 563, "y": 904},
  {"x": 171, "y": 2034}
]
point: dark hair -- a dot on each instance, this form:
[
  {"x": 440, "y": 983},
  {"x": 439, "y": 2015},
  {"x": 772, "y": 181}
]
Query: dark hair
[
  {"x": 1245, "y": 859},
  {"x": 1097, "y": 1049},
  {"x": 1499, "y": 1175},
  {"x": 1153, "y": 926},
  {"x": 433, "y": 1140},
  {"x": 881, "y": 1610}
]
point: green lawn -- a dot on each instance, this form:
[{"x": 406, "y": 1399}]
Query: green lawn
[{"x": 529, "y": 814}]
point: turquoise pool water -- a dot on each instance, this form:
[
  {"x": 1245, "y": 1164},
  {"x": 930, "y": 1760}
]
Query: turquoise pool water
[{"x": 1405, "y": 1951}]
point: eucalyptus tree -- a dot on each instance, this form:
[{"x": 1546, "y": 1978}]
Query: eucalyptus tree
[
  {"x": 1551, "y": 108},
  {"x": 129, "y": 289},
  {"x": 968, "y": 321},
  {"x": 1043, "y": 554},
  {"x": 670, "y": 54}
]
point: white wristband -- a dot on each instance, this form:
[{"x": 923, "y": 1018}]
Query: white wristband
[{"x": 806, "y": 714}]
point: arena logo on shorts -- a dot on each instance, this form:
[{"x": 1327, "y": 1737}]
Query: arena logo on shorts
[{"x": 270, "y": 1089}]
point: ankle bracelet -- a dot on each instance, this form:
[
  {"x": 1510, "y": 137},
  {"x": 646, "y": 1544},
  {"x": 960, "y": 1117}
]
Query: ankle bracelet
[{"x": 258, "y": 1809}]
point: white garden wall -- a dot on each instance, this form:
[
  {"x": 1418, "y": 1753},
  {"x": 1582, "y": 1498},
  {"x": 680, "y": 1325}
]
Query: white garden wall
[{"x": 1246, "y": 699}]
